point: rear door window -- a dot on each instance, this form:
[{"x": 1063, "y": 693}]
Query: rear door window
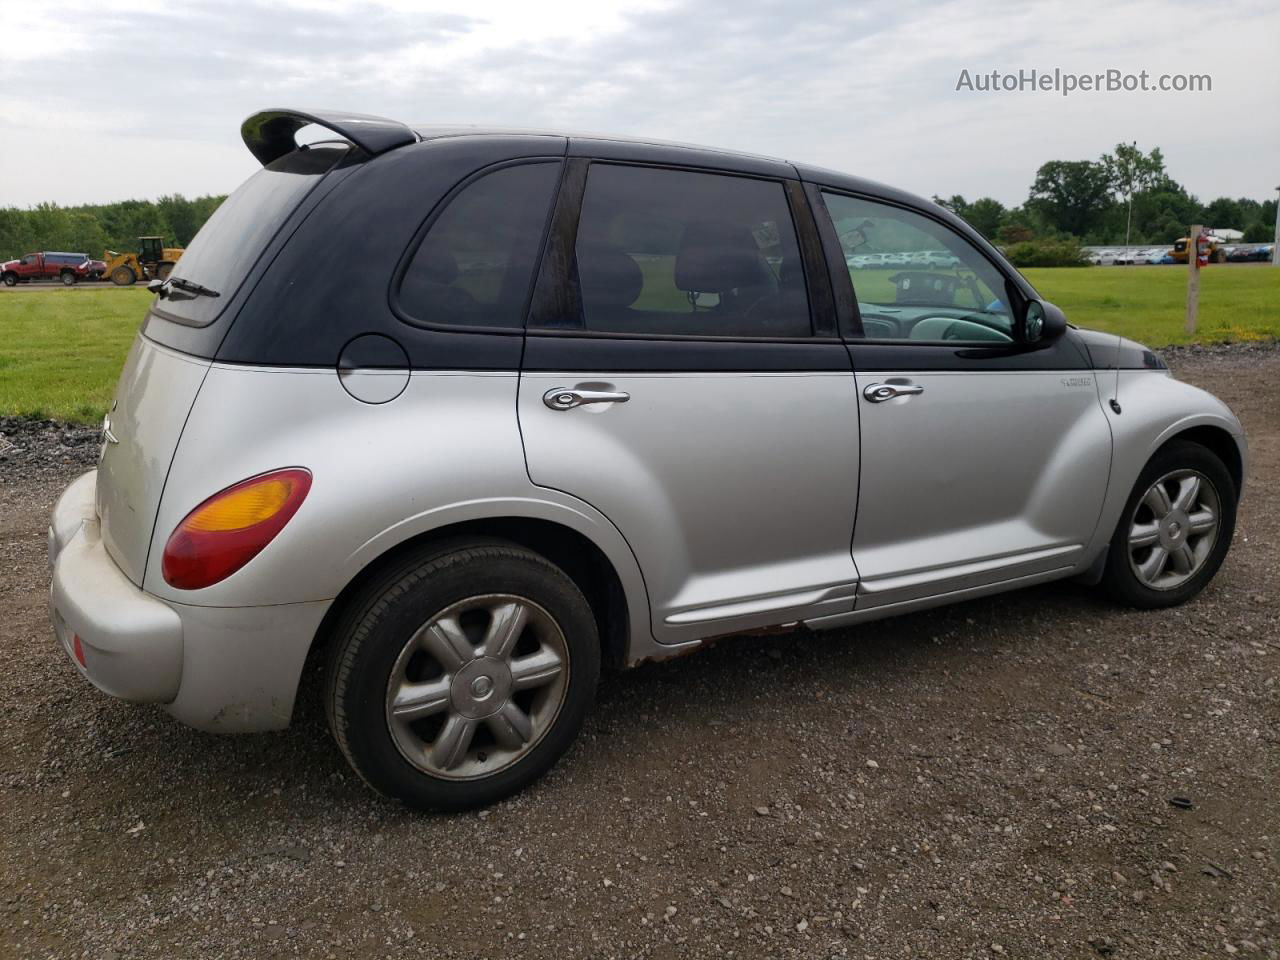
[
  {"x": 664, "y": 252},
  {"x": 236, "y": 236},
  {"x": 475, "y": 265}
]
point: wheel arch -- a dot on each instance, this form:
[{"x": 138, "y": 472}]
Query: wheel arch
[
  {"x": 583, "y": 560},
  {"x": 1219, "y": 440},
  {"x": 1158, "y": 410}
]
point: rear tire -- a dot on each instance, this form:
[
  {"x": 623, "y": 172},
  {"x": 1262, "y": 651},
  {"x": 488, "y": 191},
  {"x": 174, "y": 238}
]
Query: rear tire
[
  {"x": 123, "y": 277},
  {"x": 1175, "y": 530},
  {"x": 163, "y": 271},
  {"x": 462, "y": 674}
]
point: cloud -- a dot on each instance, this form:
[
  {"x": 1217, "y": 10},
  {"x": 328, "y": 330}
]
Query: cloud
[{"x": 868, "y": 87}]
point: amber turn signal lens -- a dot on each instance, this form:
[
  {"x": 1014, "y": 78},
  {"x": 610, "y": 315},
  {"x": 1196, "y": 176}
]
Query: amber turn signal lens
[{"x": 232, "y": 527}]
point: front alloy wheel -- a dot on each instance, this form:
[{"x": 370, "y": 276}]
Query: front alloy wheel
[{"x": 1173, "y": 529}]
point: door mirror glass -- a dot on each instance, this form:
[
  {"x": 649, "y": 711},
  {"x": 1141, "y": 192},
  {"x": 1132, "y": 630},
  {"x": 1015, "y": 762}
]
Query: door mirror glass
[
  {"x": 1034, "y": 322},
  {"x": 1042, "y": 322}
]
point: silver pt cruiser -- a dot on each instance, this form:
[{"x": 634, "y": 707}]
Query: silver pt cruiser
[{"x": 473, "y": 413}]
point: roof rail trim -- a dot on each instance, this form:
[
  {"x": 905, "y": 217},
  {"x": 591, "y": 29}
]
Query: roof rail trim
[{"x": 269, "y": 134}]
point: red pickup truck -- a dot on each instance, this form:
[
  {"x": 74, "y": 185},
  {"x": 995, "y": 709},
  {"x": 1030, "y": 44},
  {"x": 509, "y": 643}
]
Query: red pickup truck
[{"x": 68, "y": 267}]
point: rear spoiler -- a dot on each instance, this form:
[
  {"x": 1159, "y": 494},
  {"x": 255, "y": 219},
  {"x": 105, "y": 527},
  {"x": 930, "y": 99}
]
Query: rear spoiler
[{"x": 269, "y": 134}]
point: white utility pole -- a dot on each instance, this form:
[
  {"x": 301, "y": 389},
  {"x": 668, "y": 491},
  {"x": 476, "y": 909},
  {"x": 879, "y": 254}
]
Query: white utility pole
[
  {"x": 1275, "y": 243},
  {"x": 1128, "y": 221}
]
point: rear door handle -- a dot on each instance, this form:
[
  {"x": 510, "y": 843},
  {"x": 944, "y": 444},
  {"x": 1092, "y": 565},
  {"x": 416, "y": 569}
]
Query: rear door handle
[
  {"x": 880, "y": 392},
  {"x": 566, "y": 398}
]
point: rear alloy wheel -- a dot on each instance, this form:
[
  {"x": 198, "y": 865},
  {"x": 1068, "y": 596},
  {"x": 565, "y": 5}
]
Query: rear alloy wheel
[
  {"x": 123, "y": 277},
  {"x": 462, "y": 675},
  {"x": 446, "y": 691},
  {"x": 1175, "y": 530}
]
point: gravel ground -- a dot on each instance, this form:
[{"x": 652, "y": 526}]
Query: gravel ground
[{"x": 992, "y": 779}]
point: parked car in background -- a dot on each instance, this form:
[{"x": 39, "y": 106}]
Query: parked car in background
[
  {"x": 69, "y": 268},
  {"x": 502, "y": 453},
  {"x": 1250, "y": 253}
]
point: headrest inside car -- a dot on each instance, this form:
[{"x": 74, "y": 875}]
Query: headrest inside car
[
  {"x": 716, "y": 257},
  {"x": 609, "y": 277}
]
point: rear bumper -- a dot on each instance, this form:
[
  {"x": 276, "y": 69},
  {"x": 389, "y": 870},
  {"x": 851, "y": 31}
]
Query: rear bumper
[
  {"x": 222, "y": 669},
  {"x": 130, "y": 641}
]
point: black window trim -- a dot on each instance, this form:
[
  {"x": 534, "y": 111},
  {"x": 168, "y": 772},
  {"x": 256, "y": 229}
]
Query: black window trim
[
  {"x": 434, "y": 214},
  {"x": 556, "y": 296}
]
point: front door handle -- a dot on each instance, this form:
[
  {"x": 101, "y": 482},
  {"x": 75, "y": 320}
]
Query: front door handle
[
  {"x": 566, "y": 398},
  {"x": 880, "y": 392}
]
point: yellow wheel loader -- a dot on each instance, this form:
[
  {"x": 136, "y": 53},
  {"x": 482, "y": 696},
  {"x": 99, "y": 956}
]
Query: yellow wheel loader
[{"x": 153, "y": 261}]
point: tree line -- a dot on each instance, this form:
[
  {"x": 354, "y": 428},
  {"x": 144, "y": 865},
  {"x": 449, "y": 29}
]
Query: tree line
[
  {"x": 1099, "y": 202},
  {"x": 1125, "y": 193},
  {"x": 92, "y": 228}
]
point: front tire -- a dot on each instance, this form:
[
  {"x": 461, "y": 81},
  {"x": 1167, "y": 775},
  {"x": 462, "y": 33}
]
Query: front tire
[
  {"x": 10, "y": 279},
  {"x": 462, "y": 675},
  {"x": 1175, "y": 530},
  {"x": 68, "y": 278},
  {"x": 123, "y": 277}
]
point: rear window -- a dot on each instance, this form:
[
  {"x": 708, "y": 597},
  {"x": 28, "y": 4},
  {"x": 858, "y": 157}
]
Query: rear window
[{"x": 235, "y": 237}]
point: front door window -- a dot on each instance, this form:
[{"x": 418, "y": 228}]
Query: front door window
[{"x": 916, "y": 279}]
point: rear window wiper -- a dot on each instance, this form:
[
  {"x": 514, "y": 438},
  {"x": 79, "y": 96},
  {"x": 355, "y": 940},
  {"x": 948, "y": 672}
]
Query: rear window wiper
[{"x": 162, "y": 287}]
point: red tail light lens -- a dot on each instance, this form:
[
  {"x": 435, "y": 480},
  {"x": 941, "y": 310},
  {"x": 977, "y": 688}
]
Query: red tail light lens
[{"x": 229, "y": 529}]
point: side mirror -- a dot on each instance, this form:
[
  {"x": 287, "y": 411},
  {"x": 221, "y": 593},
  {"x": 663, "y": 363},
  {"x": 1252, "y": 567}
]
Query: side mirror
[{"x": 1042, "y": 323}]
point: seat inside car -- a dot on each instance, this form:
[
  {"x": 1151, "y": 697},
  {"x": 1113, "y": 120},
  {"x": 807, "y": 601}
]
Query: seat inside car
[
  {"x": 723, "y": 258},
  {"x": 611, "y": 282}
]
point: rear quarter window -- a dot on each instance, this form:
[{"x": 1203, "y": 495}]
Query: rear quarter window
[{"x": 474, "y": 267}]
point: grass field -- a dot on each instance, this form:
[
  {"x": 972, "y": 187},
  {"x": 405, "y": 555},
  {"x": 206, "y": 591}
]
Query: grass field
[
  {"x": 1149, "y": 304},
  {"x": 61, "y": 350}
]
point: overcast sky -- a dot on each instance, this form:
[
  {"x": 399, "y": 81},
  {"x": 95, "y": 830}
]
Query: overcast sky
[{"x": 106, "y": 103}]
